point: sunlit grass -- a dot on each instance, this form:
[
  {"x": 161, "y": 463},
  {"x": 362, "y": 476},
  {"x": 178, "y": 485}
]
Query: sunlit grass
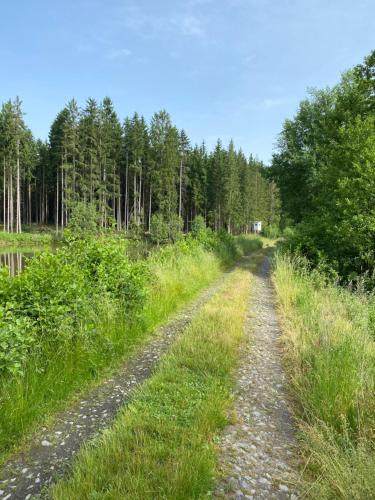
[
  {"x": 330, "y": 349},
  {"x": 69, "y": 368},
  {"x": 28, "y": 239},
  {"x": 163, "y": 444}
]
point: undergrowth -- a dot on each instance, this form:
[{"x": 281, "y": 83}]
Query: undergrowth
[{"x": 73, "y": 315}]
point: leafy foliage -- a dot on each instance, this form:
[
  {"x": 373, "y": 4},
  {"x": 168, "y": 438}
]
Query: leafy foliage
[
  {"x": 72, "y": 314},
  {"x": 325, "y": 168},
  {"x": 83, "y": 222}
]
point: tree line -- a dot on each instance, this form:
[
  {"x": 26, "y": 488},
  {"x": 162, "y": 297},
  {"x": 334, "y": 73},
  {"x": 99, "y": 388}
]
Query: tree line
[
  {"x": 128, "y": 170},
  {"x": 325, "y": 169}
]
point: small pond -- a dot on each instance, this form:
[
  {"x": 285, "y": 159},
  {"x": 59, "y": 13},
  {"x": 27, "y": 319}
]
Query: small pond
[{"x": 14, "y": 258}]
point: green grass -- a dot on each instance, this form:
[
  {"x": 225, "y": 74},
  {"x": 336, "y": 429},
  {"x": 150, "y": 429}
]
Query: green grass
[
  {"x": 29, "y": 399},
  {"x": 163, "y": 444},
  {"x": 27, "y": 239},
  {"x": 329, "y": 334}
]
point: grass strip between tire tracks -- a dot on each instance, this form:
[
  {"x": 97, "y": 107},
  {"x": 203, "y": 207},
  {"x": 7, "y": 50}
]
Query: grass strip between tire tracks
[{"x": 163, "y": 444}]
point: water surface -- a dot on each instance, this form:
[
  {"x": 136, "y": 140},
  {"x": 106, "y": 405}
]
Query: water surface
[{"x": 15, "y": 258}]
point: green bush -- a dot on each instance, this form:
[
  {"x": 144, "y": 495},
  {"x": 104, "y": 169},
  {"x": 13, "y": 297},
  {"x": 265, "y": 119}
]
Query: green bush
[
  {"x": 56, "y": 291},
  {"x": 198, "y": 225},
  {"x": 271, "y": 231},
  {"x": 158, "y": 229},
  {"x": 83, "y": 221},
  {"x": 16, "y": 340},
  {"x": 71, "y": 315},
  {"x": 175, "y": 228}
]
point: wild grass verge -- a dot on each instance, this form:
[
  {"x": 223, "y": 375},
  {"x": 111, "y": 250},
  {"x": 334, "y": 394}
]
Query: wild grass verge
[
  {"x": 27, "y": 239},
  {"x": 329, "y": 334},
  {"x": 163, "y": 444},
  {"x": 73, "y": 316}
]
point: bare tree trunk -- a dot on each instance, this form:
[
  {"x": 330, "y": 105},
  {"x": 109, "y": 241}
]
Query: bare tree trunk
[
  {"x": 11, "y": 204},
  {"x": 29, "y": 201},
  {"x": 57, "y": 201},
  {"x": 104, "y": 198},
  {"x": 126, "y": 202},
  {"x": 8, "y": 206},
  {"x": 180, "y": 194},
  {"x": 140, "y": 195},
  {"x": 66, "y": 198},
  {"x": 135, "y": 198},
  {"x": 119, "y": 221},
  {"x": 18, "y": 193},
  {"x": 149, "y": 209},
  {"x": 62, "y": 197},
  {"x": 4, "y": 198}
]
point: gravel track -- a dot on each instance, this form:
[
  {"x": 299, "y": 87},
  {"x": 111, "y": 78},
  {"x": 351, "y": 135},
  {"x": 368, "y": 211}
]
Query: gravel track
[{"x": 258, "y": 452}]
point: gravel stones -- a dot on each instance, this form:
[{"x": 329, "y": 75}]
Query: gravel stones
[{"x": 258, "y": 456}]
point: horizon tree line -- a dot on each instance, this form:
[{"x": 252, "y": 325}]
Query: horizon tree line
[{"x": 128, "y": 170}]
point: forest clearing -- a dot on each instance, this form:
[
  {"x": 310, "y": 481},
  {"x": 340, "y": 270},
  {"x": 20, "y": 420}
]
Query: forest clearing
[{"x": 187, "y": 298}]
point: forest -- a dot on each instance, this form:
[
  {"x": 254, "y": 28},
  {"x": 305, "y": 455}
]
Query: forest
[{"x": 129, "y": 171}]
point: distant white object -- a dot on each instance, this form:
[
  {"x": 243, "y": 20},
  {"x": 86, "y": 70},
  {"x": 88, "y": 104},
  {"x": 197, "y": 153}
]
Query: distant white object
[{"x": 256, "y": 227}]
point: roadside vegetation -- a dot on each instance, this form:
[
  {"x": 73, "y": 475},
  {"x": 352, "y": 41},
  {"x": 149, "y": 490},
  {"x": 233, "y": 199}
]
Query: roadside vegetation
[
  {"x": 163, "y": 444},
  {"x": 72, "y": 315},
  {"x": 324, "y": 277},
  {"x": 329, "y": 333},
  {"x": 325, "y": 170}
]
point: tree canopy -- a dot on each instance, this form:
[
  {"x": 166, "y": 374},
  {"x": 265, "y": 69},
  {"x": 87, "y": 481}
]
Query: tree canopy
[
  {"x": 128, "y": 171},
  {"x": 325, "y": 169}
]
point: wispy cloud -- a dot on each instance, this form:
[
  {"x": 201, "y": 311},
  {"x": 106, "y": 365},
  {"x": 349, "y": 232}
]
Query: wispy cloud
[
  {"x": 198, "y": 3},
  {"x": 119, "y": 53},
  {"x": 152, "y": 25},
  {"x": 270, "y": 103},
  {"x": 190, "y": 25}
]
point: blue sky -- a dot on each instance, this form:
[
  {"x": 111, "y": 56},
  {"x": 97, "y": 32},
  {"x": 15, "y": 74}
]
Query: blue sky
[{"x": 222, "y": 68}]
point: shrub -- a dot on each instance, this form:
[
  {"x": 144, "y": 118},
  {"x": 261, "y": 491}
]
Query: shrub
[
  {"x": 175, "y": 228},
  {"x": 16, "y": 339},
  {"x": 158, "y": 229},
  {"x": 49, "y": 291},
  {"x": 83, "y": 221},
  {"x": 135, "y": 230},
  {"x": 198, "y": 225},
  {"x": 271, "y": 231}
]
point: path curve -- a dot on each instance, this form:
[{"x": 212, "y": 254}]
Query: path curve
[
  {"x": 51, "y": 450},
  {"x": 258, "y": 453}
]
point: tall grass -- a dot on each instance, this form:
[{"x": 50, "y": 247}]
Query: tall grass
[
  {"x": 162, "y": 446},
  {"x": 329, "y": 335},
  {"x": 68, "y": 365}
]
